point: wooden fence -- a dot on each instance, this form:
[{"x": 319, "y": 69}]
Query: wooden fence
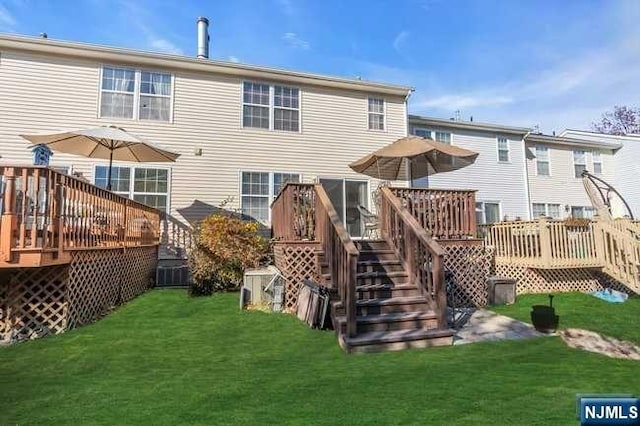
[
  {"x": 47, "y": 211},
  {"x": 446, "y": 214}
]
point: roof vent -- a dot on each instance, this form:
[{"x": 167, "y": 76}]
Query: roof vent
[
  {"x": 44, "y": 35},
  {"x": 203, "y": 37}
]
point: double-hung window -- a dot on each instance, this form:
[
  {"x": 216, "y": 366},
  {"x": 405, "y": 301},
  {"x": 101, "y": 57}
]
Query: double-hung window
[
  {"x": 436, "y": 135},
  {"x": 146, "y": 185},
  {"x": 579, "y": 162},
  {"x": 134, "y": 94},
  {"x": 503, "y": 149},
  {"x": 582, "y": 212},
  {"x": 542, "y": 161},
  {"x": 258, "y": 190},
  {"x": 376, "y": 113},
  {"x": 597, "y": 162},
  {"x": 423, "y": 133},
  {"x": 443, "y": 137},
  {"x": 547, "y": 210},
  {"x": 270, "y": 107},
  {"x": 487, "y": 212}
]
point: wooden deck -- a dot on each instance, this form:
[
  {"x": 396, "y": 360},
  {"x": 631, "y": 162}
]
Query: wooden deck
[{"x": 47, "y": 215}]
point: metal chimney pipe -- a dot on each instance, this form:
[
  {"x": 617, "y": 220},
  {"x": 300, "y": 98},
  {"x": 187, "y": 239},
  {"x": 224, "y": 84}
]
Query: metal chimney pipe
[{"x": 203, "y": 37}]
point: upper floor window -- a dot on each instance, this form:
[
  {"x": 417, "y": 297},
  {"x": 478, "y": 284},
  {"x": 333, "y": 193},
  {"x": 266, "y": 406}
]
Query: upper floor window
[
  {"x": 376, "y": 113},
  {"x": 270, "y": 107},
  {"x": 423, "y": 133},
  {"x": 597, "y": 162},
  {"x": 547, "y": 210},
  {"x": 579, "y": 163},
  {"x": 503, "y": 149},
  {"x": 436, "y": 135},
  {"x": 443, "y": 137},
  {"x": 542, "y": 161},
  {"x": 134, "y": 94},
  {"x": 146, "y": 185}
]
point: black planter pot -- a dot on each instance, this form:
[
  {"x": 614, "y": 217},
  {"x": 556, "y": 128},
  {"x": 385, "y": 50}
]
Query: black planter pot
[{"x": 544, "y": 317}]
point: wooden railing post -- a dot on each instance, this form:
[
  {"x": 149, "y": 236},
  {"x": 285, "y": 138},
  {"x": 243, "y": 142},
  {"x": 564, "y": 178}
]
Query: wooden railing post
[
  {"x": 545, "y": 241},
  {"x": 9, "y": 218},
  {"x": 437, "y": 275}
]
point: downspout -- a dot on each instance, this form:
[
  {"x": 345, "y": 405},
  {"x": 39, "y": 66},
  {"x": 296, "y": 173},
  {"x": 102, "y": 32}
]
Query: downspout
[{"x": 526, "y": 177}]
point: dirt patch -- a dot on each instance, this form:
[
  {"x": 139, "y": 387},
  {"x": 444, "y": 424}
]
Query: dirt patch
[{"x": 594, "y": 342}]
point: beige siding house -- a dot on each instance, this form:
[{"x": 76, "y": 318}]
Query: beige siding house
[
  {"x": 554, "y": 165},
  {"x": 498, "y": 174},
  {"x": 241, "y": 130}
]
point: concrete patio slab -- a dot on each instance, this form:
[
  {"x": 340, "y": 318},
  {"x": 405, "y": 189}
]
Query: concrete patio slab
[{"x": 479, "y": 325}]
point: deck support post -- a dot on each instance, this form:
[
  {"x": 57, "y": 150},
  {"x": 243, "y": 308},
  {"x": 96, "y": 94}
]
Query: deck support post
[{"x": 9, "y": 217}]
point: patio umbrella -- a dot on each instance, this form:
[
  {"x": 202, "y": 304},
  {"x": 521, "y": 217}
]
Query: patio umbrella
[
  {"x": 423, "y": 156},
  {"x": 107, "y": 142}
]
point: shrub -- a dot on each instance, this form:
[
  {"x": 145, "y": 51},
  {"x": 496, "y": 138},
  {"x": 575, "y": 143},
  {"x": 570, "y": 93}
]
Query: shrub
[{"x": 225, "y": 246}]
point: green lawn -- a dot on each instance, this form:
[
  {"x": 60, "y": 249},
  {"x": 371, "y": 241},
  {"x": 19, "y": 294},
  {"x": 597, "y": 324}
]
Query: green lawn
[
  {"x": 168, "y": 359},
  {"x": 578, "y": 310}
]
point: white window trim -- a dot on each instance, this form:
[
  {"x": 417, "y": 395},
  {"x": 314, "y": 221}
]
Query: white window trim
[
  {"x": 136, "y": 94},
  {"x": 547, "y": 211},
  {"x": 272, "y": 195},
  {"x": 343, "y": 213},
  {"x": 424, "y": 129},
  {"x": 498, "y": 149},
  {"x": 535, "y": 151},
  {"x": 272, "y": 108},
  {"x": 483, "y": 202},
  {"x": 384, "y": 114},
  {"x": 573, "y": 160},
  {"x": 594, "y": 162},
  {"x": 432, "y": 133},
  {"x": 132, "y": 169}
]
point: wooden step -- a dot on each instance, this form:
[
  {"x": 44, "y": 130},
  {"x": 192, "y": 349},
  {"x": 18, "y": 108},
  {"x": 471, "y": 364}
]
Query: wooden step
[
  {"x": 372, "y": 245},
  {"x": 377, "y": 265},
  {"x": 390, "y": 322},
  {"x": 391, "y": 305},
  {"x": 376, "y": 341},
  {"x": 377, "y": 255},
  {"x": 376, "y": 278},
  {"x": 385, "y": 291}
]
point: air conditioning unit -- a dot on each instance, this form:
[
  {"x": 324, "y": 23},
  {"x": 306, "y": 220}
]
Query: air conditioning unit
[
  {"x": 172, "y": 276},
  {"x": 263, "y": 286}
]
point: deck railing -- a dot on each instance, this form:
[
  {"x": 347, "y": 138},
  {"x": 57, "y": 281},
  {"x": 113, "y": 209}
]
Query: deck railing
[
  {"x": 340, "y": 252},
  {"x": 45, "y": 210},
  {"x": 447, "y": 214},
  {"x": 292, "y": 212},
  {"x": 421, "y": 256},
  {"x": 543, "y": 243},
  {"x": 619, "y": 249}
]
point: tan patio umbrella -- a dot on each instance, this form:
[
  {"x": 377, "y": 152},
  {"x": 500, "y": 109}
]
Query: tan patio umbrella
[
  {"x": 107, "y": 142},
  {"x": 424, "y": 156}
]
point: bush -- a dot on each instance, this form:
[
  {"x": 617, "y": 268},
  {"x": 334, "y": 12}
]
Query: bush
[{"x": 224, "y": 247}]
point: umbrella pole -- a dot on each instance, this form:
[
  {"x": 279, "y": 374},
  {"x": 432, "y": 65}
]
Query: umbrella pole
[{"x": 109, "y": 172}]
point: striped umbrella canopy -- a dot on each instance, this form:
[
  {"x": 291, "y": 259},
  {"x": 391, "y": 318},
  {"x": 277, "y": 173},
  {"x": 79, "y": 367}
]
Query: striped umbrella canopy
[
  {"x": 423, "y": 156},
  {"x": 106, "y": 142}
]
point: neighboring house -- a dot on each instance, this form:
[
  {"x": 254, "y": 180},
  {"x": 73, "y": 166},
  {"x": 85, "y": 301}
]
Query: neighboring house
[
  {"x": 554, "y": 167},
  {"x": 625, "y": 163},
  {"x": 242, "y": 131},
  {"x": 499, "y": 172}
]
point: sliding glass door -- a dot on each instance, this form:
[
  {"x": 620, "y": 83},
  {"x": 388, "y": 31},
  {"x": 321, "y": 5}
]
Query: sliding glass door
[{"x": 346, "y": 196}]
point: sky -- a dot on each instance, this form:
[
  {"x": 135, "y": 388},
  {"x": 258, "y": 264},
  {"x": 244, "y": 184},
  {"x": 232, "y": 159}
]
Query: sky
[{"x": 554, "y": 64}]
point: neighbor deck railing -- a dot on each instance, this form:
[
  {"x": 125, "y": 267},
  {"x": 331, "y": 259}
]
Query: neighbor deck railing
[
  {"x": 421, "y": 256},
  {"x": 45, "y": 210},
  {"x": 446, "y": 214}
]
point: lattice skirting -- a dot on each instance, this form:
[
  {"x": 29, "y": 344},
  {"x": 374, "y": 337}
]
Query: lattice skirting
[
  {"x": 48, "y": 300},
  {"x": 296, "y": 261},
  {"x": 469, "y": 267},
  {"x": 531, "y": 280}
]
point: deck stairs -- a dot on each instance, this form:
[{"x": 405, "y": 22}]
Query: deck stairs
[{"x": 391, "y": 312}]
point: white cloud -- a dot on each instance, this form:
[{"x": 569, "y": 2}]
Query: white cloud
[
  {"x": 400, "y": 40},
  {"x": 7, "y": 21},
  {"x": 234, "y": 59},
  {"x": 163, "y": 45},
  {"x": 293, "y": 40}
]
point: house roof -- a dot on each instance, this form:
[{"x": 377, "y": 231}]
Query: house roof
[
  {"x": 602, "y": 136},
  {"x": 163, "y": 60},
  {"x": 570, "y": 141},
  {"x": 467, "y": 125}
]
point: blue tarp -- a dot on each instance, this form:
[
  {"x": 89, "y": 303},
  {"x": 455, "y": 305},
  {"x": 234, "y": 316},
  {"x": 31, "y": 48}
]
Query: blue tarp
[{"x": 610, "y": 295}]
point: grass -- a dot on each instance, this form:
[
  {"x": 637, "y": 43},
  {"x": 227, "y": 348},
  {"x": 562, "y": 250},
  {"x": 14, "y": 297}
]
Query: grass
[
  {"x": 579, "y": 310},
  {"x": 168, "y": 359}
]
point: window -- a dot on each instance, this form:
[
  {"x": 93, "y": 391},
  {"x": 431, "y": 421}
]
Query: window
[
  {"x": 542, "y": 161},
  {"x": 423, "y": 133},
  {"x": 487, "y": 212},
  {"x": 270, "y": 107},
  {"x": 444, "y": 137},
  {"x": 597, "y": 162},
  {"x": 376, "y": 114},
  {"x": 257, "y": 191},
  {"x": 579, "y": 163},
  {"x": 503, "y": 149},
  {"x": 146, "y": 185},
  {"x": 547, "y": 210},
  {"x": 582, "y": 212},
  {"x": 134, "y": 94}
]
